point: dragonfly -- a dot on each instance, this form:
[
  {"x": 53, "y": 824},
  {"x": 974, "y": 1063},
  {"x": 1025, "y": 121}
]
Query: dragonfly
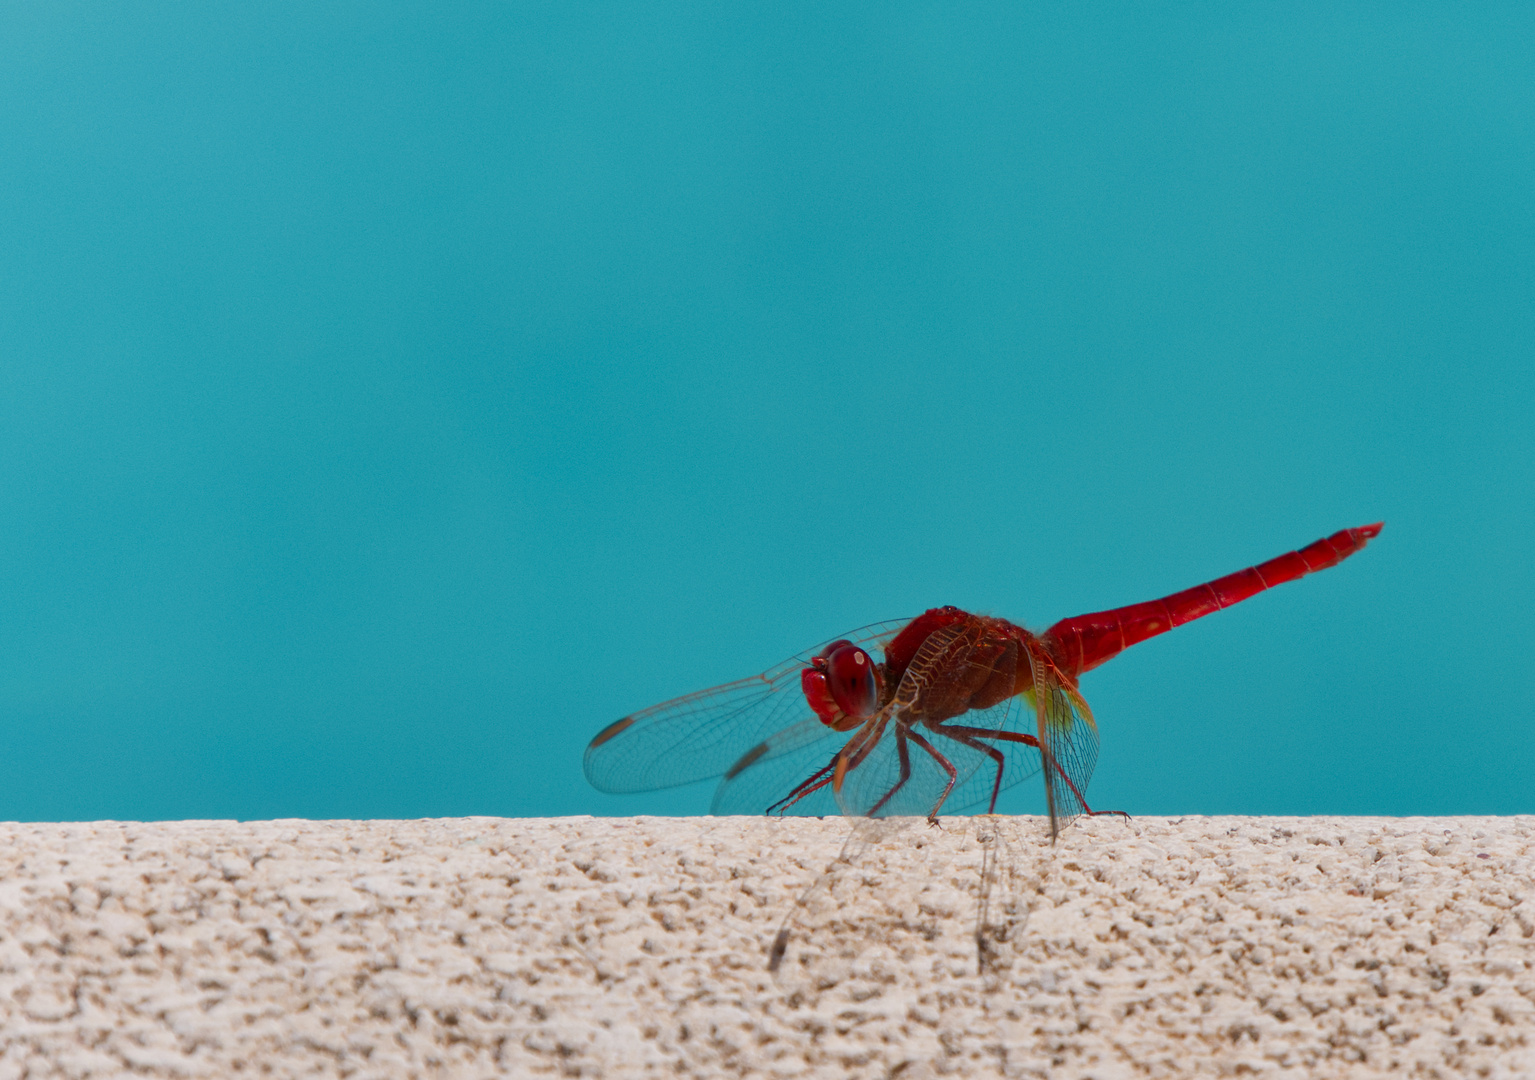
[{"x": 906, "y": 717}]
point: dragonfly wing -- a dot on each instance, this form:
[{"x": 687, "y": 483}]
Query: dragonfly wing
[
  {"x": 1073, "y": 742},
  {"x": 704, "y": 734},
  {"x": 1019, "y": 761},
  {"x": 879, "y": 773},
  {"x": 693, "y": 737},
  {"x": 909, "y": 764},
  {"x": 768, "y": 771},
  {"x": 1069, "y": 735}
]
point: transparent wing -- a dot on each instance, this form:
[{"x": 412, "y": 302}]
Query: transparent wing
[
  {"x": 769, "y": 771},
  {"x": 879, "y": 774},
  {"x": 1019, "y": 761},
  {"x": 1069, "y": 735},
  {"x": 1072, "y": 736},
  {"x": 705, "y": 734},
  {"x": 902, "y": 762}
]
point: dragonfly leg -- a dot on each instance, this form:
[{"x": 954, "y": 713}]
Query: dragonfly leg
[
  {"x": 947, "y": 766},
  {"x": 968, "y": 735},
  {"x": 905, "y": 757},
  {"x": 1106, "y": 813},
  {"x": 843, "y": 761},
  {"x": 815, "y": 782},
  {"x": 1029, "y": 740},
  {"x": 1082, "y": 802}
]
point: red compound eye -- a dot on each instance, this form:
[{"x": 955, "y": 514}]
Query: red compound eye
[
  {"x": 842, "y": 685},
  {"x": 853, "y": 680}
]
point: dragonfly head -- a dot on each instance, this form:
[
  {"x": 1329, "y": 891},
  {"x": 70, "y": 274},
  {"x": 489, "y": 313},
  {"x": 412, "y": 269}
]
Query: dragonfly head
[{"x": 843, "y": 685}]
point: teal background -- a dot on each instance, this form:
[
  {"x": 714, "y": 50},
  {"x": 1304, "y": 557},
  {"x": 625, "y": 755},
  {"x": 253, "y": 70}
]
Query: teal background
[{"x": 394, "y": 396}]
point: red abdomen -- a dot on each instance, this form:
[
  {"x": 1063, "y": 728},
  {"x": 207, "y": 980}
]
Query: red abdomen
[{"x": 1083, "y": 642}]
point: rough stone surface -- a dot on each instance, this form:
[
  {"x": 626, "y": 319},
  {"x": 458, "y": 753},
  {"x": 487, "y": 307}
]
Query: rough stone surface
[{"x": 1269, "y": 947}]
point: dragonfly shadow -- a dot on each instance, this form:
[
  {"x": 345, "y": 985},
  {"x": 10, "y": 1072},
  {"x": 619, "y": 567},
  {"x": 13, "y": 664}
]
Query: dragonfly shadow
[
  {"x": 831, "y": 895},
  {"x": 896, "y": 888}
]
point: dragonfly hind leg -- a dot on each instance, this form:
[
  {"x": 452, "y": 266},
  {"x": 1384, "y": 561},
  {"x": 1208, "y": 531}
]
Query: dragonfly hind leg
[{"x": 967, "y": 735}]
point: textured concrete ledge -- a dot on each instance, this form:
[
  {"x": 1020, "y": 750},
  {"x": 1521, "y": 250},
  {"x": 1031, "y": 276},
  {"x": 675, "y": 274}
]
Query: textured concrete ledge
[{"x": 1306, "y": 947}]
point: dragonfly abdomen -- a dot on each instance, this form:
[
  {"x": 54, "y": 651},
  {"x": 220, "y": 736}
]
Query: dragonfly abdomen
[{"x": 1082, "y": 642}]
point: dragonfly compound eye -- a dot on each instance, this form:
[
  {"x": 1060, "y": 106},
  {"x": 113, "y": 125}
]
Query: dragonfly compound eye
[
  {"x": 853, "y": 681},
  {"x": 842, "y": 685}
]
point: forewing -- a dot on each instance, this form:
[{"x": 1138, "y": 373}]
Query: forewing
[{"x": 705, "y": 734}]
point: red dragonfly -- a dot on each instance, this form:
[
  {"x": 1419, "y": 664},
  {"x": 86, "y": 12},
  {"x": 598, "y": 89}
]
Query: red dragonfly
[{"x": 905, "y": 717}]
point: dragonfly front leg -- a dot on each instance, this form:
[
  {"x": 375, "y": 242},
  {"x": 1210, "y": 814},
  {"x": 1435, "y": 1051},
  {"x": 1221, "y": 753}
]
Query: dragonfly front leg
[
  {"x": 815, "y": 782},
  {"x": 842, "y": 762}
]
